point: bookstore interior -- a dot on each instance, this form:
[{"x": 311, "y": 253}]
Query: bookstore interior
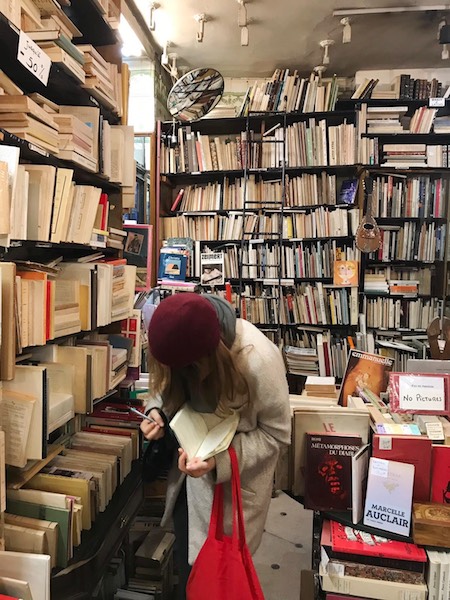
[{"x": 292, "y": 166}]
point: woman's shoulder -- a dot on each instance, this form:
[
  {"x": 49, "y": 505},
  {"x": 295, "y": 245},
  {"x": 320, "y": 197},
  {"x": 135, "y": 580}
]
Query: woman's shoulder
[{"x": 252, "y": 344}]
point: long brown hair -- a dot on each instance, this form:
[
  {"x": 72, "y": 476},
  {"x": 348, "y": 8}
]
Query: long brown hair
[{"x": 224, "y": 377}]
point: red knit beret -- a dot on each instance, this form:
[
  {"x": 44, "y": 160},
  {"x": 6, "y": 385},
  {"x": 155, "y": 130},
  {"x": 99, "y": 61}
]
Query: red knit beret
[{"x": 184, "y": 328}]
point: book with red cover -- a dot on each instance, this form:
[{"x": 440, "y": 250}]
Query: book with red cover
[
  {"x": 440, "y": 475},
  {"x": 3, "y": 597},
  {"x": 328, "y": 470},
  {"x": 345, "y": 540},
  {"x": 412, "y": 449}
]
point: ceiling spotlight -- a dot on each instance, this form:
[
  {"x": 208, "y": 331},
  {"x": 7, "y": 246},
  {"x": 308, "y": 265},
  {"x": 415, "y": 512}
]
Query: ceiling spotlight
[
  {"x": 325, "y": 44},
  {"x": 242, "y": 14},
  {"x": 346, "y": 30},
  {"x": 151, "y": 23},
  {"x": 244, "y": 36},
  {"x": 201, "y": 20},
  {"x": 445, "y": 54}
]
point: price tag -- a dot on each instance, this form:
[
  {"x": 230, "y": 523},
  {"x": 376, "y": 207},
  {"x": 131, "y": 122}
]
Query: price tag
[
  {"x": 33, "y": 58},
  {"x": 435, "y": 431},
  {"x": 437, "y": 102}
]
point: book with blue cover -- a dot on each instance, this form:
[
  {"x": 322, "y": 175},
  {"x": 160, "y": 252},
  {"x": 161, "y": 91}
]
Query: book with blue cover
[
  {"x": 172, "y": 265},
  {"x": 347, "y": 194}
]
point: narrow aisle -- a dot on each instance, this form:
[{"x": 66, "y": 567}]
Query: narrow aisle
[{"x": 285, "y": 548}]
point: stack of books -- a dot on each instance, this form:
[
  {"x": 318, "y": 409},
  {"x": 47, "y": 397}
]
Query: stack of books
[
  {"x": 404, "y": 155},
  {"x": 102, "y": 78},
  {"x": 76, "y": 142},
  {"x": 301, "y": 361},
  {"x": 385, "y": 119},
  {"x": 57, "y": 44},
  {"x": 23, "y": 117},
  {"x": 321, "y": 387},
  {"x": 375, "y": 284}
]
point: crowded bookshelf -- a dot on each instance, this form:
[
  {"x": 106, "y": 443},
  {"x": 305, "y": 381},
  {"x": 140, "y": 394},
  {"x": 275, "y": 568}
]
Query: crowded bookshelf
[{"x": 70, "y": 483}]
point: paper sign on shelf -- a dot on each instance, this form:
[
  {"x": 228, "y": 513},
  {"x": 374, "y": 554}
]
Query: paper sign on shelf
[
  {"x": 436, "y": 102},
  {"x": 421, "y": 393},
  {"x": 33, "y": 58}
]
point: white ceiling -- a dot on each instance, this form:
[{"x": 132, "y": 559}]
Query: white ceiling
[{"x": 286, "y": 33}]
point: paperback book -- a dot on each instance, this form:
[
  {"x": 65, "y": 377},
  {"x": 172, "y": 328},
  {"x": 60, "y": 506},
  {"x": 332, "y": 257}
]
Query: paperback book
[
  {"x": 389, "y": 496},
  {"x": 365, "y": 371}
]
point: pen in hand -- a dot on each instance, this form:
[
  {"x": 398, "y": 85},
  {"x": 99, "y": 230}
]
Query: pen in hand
[{"x": 138, "y": 412}]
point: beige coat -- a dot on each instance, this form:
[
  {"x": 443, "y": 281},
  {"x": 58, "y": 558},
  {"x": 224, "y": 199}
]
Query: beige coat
[{"x": 264, "y": 427}]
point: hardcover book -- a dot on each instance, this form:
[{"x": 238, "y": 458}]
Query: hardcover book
[
  {"x": 365, "y": 370},
  {"x": 328, "y": 472},
  {"x": 345, "y": 273},
  {"x": 440, "y": 475},
  {"x": 363, "y": 546},
  {"x": 389, "y": 496},
  {"x": 412, "y": 449}
]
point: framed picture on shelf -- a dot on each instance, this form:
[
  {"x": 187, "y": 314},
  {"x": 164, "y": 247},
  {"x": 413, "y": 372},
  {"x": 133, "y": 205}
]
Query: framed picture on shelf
[{"x": 138, "y": 252}]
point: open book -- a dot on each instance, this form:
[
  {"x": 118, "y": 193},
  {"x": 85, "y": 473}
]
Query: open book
[{"x": 203, "y": 435}]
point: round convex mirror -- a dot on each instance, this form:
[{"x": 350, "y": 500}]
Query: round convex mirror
[{"x": 195, "y": 94}]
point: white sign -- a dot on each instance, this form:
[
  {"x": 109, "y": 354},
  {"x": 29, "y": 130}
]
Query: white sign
[
  {"x": 421, "y": 393},
  {"x": 437, "y": 102},
  {"x": 33, "y": 58}
]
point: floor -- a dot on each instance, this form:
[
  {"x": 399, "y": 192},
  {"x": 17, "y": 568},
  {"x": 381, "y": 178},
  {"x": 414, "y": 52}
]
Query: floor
[{"x": 285, "y": 548}]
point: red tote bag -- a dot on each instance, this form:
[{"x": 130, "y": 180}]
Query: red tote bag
[{"x": 224, "y": 568}]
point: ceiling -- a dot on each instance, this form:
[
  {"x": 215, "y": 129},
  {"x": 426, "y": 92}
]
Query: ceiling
[{"x": 286, "y": 33}]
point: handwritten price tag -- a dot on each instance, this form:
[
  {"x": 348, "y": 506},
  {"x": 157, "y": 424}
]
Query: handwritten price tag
[{"x": 33, "y": 58}]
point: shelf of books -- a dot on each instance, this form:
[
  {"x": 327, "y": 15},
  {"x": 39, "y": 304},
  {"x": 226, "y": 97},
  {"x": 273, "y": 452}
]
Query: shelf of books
[
  {"x": 70, "y": 484},
  {"x": 399, "y": 136}
]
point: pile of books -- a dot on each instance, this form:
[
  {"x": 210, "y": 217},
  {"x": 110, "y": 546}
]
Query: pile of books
[
  {"x": 23, "y": 117},
  {"x": 102, "y": 78},
  {"x": 55, "y": 38},
  {"x": 76, "y": 141},
  {"x": 301, "y": 361},
  {"x": 385, "y": 119}
]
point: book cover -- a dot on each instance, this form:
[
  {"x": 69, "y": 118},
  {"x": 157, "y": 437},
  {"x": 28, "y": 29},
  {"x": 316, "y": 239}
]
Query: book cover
[
  {"x": 138, "y": 252},
  {"x": 352, "y": 541},
  {"x": 345, "y": 273},
  {"x": 328, "y": 471},
  {"x": 172, "y": 265},
  {"x": 415, "y": 450},
  {"x": 347, "y": 194},
  {"x": 389, "y": 496},
  {"x": 420, "y": 393},
  {"x": 212, "y": 268},
  {"x": 365, "y": 370},
  {"x": 440, "y": 475}
]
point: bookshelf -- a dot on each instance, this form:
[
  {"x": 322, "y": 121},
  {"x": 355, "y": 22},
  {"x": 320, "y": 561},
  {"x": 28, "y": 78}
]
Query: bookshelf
[
  {"x": 66, "y": 292},
  {"x": 263, "y": 213},
  {"x": 212, "y": 209}
]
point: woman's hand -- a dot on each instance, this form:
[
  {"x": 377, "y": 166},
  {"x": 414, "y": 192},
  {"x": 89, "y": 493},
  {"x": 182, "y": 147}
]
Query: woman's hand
[
  {"x": 195, "y": 467},
  {"x": 153, "y": 431}
]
